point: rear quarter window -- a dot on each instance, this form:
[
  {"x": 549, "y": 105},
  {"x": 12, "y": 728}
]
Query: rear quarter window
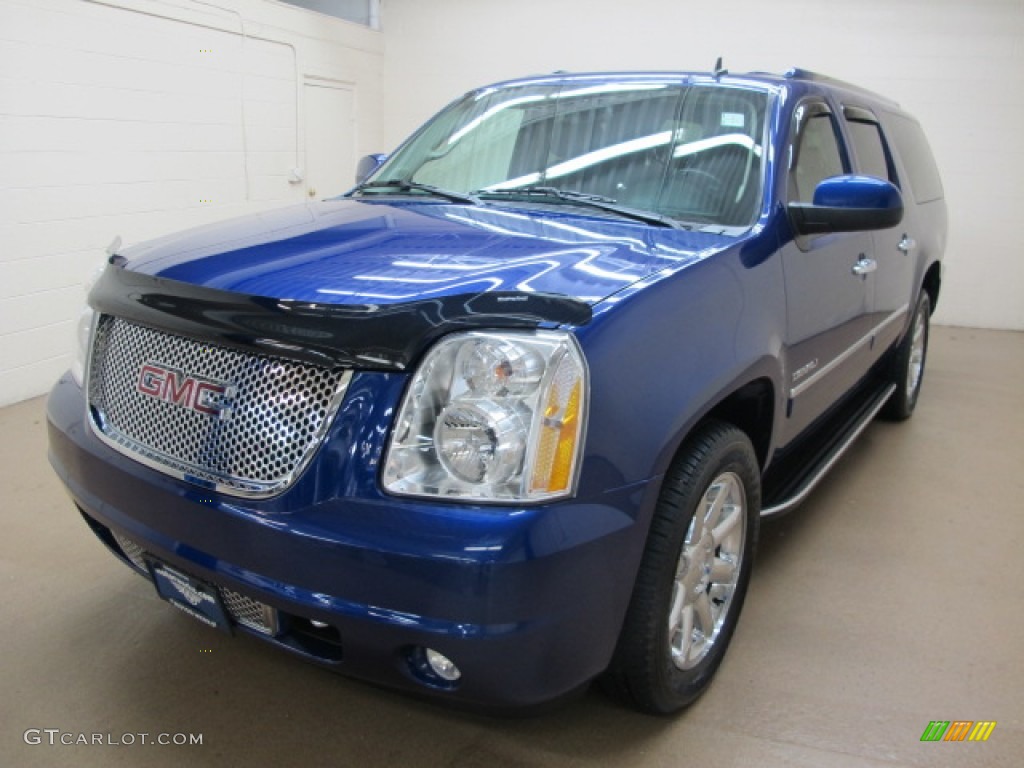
[{"x": 913, "y": 149}]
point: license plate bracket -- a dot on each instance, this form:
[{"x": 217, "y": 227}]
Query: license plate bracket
[{"x": 199, "y": 599}]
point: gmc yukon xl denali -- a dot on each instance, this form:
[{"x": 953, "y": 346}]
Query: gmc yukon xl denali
[{"x": 503, "y": 418}]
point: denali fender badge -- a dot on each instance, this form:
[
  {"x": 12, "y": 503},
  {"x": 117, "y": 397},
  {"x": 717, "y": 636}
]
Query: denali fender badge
[
  {"x": 799, "y": 373},
  {"x": 178, "y": 388}
]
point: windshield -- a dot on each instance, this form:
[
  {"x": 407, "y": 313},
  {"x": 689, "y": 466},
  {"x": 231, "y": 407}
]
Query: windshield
[{"x": 691, "y": 153}]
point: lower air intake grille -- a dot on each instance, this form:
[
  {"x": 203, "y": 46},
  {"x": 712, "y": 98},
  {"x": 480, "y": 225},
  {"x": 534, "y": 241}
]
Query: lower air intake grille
[
  {"x": 248, "y": 612},
  {"x": 246, "y": 424},
  {"x": 242, "y": 610},
  {"x": 132, "y": 551}
]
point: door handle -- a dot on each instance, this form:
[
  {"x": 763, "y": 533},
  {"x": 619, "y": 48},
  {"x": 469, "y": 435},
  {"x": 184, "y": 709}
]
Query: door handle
[
  {"x": 864, "y": 266},
  {"x": 907, "y": 244}
]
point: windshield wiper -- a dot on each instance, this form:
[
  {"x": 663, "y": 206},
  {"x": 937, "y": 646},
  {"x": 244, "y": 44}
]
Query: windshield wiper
[
  {"x": 587, "y": 199},
  {"x": 404, "y": 185}
]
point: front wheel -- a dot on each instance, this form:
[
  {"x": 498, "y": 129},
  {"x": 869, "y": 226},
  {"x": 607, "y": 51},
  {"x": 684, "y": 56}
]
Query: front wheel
[
  {"x": 694, "y": 573},
  {"x": 907, "y": 370}
]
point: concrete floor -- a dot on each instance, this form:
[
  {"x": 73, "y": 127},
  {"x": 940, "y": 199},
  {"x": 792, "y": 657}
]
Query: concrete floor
[{"x": 893, "y": 597}]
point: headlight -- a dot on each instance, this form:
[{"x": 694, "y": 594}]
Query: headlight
[
  {"x": 86, "y": 320},
  {"x": 83, "y": 335},
  {"x": 492, "y": 416}
]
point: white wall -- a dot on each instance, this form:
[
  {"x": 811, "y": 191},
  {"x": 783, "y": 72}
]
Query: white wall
[
  {"x": 125, "y": 117},
  {"x": 958, "y": 66}
]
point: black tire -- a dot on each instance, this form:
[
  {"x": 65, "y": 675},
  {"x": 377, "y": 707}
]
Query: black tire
[
  {"x": 648, "y": 671},
  {"x": 907, "y": 366}
]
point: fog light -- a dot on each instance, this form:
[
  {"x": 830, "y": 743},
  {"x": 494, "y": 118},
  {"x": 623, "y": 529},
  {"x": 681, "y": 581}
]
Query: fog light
[
  {"x": 442, "y": 666},
  {"x": 432, "y": 668}
]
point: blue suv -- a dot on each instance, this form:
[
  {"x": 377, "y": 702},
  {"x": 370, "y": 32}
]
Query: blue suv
[{"x": 504, "y": 418}]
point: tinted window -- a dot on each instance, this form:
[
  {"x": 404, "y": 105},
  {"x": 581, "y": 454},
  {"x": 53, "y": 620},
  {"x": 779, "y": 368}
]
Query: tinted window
[
  {"x": 917, "y": 158},
  {"x": 872, "y": 158},
  {"x": 818, "y": 157}
]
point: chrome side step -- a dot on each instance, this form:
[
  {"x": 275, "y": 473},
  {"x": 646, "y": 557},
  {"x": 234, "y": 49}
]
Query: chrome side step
[{"x": 789, "y": 494}]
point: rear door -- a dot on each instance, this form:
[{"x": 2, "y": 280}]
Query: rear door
[
  {"x": 829, "y": 292},
  {"x": 893, "y": 248}
]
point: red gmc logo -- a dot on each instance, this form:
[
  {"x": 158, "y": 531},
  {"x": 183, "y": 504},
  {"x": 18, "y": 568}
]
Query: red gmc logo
[{"x": 173, "y": 386}]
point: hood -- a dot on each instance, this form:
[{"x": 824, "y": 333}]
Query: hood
[
  {"x": 358, "y": 252},
  {"x": 370, "y": 285}
]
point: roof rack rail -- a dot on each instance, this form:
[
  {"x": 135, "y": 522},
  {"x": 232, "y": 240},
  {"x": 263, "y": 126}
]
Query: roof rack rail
[{"x": 796, "y": 73}]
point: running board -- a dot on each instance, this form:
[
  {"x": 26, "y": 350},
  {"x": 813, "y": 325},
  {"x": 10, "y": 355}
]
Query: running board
[{"x": 792, "y": 479}]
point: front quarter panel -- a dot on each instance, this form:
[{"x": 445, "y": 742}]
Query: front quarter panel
[{"x": 664, "y": 353}]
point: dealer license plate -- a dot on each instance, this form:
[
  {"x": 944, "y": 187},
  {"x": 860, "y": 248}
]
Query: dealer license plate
[{"x": 193, "y": 596}]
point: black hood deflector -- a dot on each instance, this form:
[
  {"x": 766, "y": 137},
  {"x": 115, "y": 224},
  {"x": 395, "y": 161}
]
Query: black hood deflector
[{"x": 387, "y": 337}]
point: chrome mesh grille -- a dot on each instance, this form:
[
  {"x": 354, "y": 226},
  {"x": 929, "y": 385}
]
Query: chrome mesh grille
[
  {"x": 242, "y": 610},
  {"x": 248, "y": 612},
  {"x": 271, "y": 417},
  {"x": 131, "y": 550}
]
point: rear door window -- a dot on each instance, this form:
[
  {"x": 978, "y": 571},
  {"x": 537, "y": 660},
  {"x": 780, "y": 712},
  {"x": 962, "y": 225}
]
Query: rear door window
[{"x": 869, "y": 146}]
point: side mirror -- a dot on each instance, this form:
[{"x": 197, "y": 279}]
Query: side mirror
[
  {"x": 848, "y": 204},
  {"x": 368, "y": 166}
]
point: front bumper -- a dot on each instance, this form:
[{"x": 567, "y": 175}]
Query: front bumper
[{"x": 527, "y": 602}]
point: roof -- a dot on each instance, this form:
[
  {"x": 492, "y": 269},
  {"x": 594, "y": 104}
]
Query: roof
[{"x": 767, "y": 80}]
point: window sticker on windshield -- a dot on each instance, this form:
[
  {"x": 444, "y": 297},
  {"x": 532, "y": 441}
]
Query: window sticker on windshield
[{"x": 732, "y": 120}]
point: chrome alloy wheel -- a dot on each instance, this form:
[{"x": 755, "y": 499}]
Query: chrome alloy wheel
[
  {"x": 916, "y": 366},
  {"x": 708, "y": 571}
]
